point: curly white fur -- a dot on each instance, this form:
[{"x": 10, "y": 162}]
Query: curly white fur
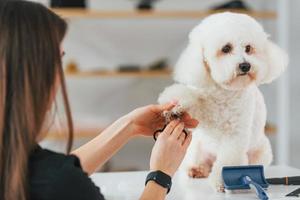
[{"x": 228, "y": 103}]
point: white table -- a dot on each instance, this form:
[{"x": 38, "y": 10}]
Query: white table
[{"x": 129, "y": 186}]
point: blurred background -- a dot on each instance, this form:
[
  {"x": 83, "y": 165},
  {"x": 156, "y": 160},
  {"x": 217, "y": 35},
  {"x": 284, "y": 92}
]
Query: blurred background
[{"x": 120, "y": 54}]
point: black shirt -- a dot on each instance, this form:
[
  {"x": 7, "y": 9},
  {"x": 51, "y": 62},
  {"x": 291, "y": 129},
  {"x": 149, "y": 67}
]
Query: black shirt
[{"x": 55, "y": 176}]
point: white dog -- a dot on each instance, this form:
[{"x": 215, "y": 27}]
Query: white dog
[{"x": 227, "y": 57}]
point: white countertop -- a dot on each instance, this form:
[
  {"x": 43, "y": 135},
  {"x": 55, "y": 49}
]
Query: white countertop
[{"x": 129, "y": 186}]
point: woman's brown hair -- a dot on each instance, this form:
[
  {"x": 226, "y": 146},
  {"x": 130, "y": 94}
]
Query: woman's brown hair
[{"x": 30, "y": 67}]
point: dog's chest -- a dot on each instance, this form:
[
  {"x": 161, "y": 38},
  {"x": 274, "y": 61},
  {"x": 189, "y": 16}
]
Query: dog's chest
[{"x": 222, "y": 112}]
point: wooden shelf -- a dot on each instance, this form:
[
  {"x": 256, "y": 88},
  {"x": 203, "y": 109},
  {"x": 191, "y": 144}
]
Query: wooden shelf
[
  {"x": 141, "y": 74},
  {"x": 91, "y": 132},
  {"x": 87, "y": 13}
]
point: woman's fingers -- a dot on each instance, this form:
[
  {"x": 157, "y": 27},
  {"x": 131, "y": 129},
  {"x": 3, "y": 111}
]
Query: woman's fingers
[
  {"x": 189, "y": 121},
  {"x": 160, "y": 126},
  {"x": 177, "y": 130},
  {"x": 182, "y": 137},
  {"x": 193, "y": 123},
  {"x": 170, "y": 127},
  {"x": 157, "y": 135},
  {"x": 187, "y": 140},
  {"x": 186, "y": 116}
]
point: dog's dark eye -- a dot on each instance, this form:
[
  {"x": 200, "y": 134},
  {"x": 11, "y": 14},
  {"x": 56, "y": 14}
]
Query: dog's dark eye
[
  {"x": 248, "y": 49},
  {"x": 227, "y": 48}
]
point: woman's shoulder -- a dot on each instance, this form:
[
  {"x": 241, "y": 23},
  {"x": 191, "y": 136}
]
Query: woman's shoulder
[
  {"x": 57, "y": 176},
  {"x": 44, "y": 159}
]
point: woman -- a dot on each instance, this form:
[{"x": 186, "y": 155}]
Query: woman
[{"x": 30, "y": 74}]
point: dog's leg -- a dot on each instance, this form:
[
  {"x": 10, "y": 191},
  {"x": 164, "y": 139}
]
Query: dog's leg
[
  {"x": 262, "y": 155},
  {"x": 198, "y": 161},
  {"x": 186, "y": 99},
  {"x": 232, "y": 151},
  {"x": 203, "y": 169},
  {"x": 192, "y": 158}
]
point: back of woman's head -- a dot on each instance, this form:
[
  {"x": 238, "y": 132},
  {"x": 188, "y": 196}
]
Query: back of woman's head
[{"x": 30, "y": 70}]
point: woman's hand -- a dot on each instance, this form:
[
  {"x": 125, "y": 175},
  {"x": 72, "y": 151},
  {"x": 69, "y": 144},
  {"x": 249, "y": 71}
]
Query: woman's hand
[
  {"x": 170, "y": 148},
  {"x": 167, "y": 154},
  {"x": 148, "y": 119}
]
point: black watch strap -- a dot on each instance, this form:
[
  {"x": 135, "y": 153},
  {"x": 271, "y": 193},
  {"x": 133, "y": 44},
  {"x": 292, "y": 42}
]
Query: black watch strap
[{"x": 160, "y": 178}]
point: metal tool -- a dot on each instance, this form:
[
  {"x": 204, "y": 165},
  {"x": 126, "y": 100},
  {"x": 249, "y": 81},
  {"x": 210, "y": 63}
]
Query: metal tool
[{"x": 295, "y": 193}]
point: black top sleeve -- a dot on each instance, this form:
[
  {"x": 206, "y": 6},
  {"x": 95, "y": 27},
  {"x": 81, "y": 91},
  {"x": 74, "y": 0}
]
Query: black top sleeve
[
  {"x": 55, "y": 176},
  {"x": 72, "y": 183}
]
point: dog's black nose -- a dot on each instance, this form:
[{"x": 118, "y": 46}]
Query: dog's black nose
[{"x": 245, "y": 67}]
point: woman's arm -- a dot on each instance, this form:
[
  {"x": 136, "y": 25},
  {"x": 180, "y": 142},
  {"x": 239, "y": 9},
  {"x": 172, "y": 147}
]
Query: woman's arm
[
  {"x": 96, "y": 152},
  {"x": 142, "y": 121},
  {"x": 167, "y": 154},
  {"x": 153, "y": 191}
]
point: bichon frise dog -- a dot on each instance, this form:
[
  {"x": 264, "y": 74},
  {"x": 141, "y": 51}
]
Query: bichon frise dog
[{"x": 227, "y": 57}]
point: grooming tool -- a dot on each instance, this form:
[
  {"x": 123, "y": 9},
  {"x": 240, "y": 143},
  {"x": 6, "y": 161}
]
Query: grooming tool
[
  {"x": 295, "y": 193},
  {"x": 292, "y": 180},
  {"x": 155, "y": 135},
  {"x": 242, "y": 177}
]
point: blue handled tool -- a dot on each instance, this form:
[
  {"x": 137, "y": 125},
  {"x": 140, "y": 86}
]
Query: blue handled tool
[
  {"x": 242, "y": 177},
  {"x": 260, "y": 191}
]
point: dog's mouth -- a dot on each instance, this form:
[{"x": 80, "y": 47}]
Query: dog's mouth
[
  {"x": 241, "y": 80},
  {"x": 251, "y": 75},
  {"x": 243, "y": 74}
]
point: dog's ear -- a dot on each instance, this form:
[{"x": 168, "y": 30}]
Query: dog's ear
[
  {"x": 277, "y": 61},
  {"x": 190, "y": 68}
]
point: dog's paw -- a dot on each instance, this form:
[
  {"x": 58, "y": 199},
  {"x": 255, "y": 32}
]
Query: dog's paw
[
  {"x": 175, "y": 113},
  {"x": 219, "y": 187},
  {"x": 201, "y": 171},
  {"x": 216, "y": 182}
]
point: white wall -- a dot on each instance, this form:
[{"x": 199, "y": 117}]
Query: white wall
[{"x": 295, "y": 82}]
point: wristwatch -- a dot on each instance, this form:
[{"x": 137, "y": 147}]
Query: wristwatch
[{"x": 160, "y": 178}]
